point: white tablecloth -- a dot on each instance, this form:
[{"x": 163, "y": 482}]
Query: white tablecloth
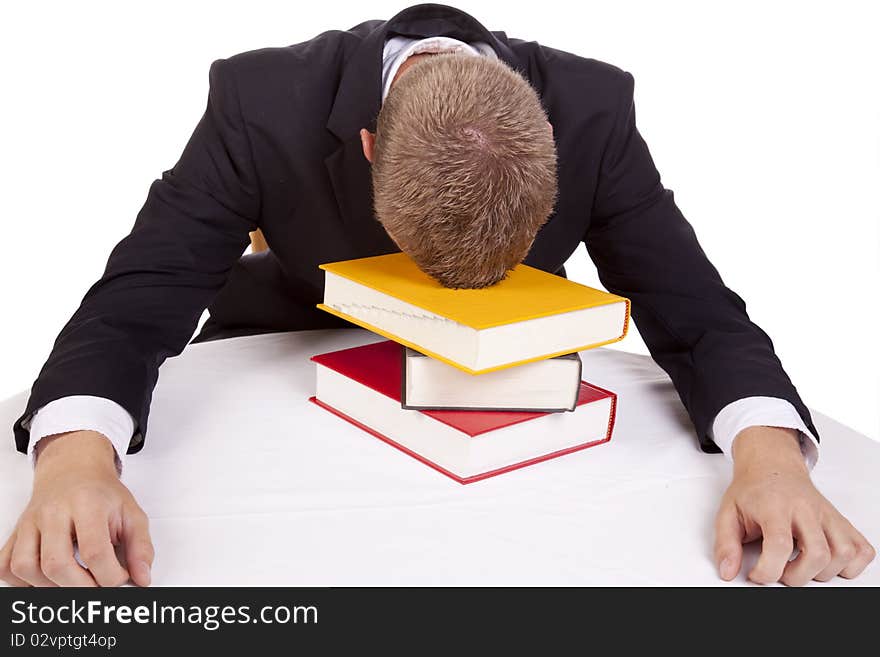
[{"x": 247, "y": 483}]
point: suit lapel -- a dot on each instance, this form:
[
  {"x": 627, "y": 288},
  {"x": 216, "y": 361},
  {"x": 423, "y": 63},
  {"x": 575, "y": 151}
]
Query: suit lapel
[{"x": 358, "y": 100}]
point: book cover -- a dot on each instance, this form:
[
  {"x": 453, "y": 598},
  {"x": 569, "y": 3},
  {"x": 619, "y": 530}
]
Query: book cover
[
  {"x": 529, "y": 316},
  {"x": 526, "y": 293}
]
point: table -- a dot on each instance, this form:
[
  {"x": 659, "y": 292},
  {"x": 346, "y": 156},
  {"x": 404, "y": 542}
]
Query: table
[{"x": 247, "y": 483}]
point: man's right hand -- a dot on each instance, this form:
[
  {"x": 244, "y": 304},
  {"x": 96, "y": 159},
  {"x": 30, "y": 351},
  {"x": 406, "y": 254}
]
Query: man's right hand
[{"x": 77, "y": 495}]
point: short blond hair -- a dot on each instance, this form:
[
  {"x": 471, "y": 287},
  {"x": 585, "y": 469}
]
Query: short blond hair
[{"x": 464, "y": 168}]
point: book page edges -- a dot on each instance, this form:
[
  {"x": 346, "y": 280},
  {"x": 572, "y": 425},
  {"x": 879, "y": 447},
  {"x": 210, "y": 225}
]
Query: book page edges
[
  {"x": 478, "y": 477},
  {"x": 465, "y": 368}
]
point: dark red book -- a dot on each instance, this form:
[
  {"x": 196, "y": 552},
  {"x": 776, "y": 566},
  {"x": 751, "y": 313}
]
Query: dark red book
[{"x": 362, "y": 385}]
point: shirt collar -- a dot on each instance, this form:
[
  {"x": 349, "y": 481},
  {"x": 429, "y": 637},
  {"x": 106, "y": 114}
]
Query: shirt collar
[{"x": 399, "y": 48}]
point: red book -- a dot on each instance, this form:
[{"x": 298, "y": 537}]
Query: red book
[{"x": 362, "y": 385}]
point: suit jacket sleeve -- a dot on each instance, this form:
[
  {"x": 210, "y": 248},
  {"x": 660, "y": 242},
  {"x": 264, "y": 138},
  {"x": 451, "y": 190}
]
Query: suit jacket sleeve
[
  {"x": 695, "y": 327},
  {"x": 190, "y": 231}
]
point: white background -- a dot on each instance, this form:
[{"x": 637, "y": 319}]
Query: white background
[{"x": 762, "y": 117}]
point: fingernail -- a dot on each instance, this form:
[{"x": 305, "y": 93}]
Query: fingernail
[
  {"x": 726, "y": 568},
  {"x": 143, "y": 570}
]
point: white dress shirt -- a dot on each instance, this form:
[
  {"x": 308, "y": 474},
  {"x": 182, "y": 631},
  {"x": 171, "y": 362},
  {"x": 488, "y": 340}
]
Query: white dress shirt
[{"x": 84, "y": 412}]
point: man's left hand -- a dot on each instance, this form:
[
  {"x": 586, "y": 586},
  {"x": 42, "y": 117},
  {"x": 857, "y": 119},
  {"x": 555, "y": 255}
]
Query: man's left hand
[{"x": 772, "y": 496}]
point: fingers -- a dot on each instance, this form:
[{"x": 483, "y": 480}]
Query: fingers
[
  {"x": 776, "y": 550},
  {"x": 96, "y": 551},
  {"x": 5, "y": 559},
  {"x": 44, "y": 555},
  {"x": 138, "y": 546},
  {"x": 850, "y": 551},
  {"x": 815, "y": 553},
  {"x": 865, "y": 554},
  {"x": 842, "y": 552},
  {"x": 828, "y": 547},
  {"x": 56, "y": 554},
  {"x": 728, "y": 542},
  {"x": 25, "y": 559}
]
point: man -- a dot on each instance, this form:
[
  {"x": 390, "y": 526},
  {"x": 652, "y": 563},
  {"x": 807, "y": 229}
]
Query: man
[{"x": 468, "y": 178}]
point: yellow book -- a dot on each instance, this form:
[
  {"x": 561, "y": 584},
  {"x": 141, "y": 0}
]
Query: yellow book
[{"x": 529, "y": 316}]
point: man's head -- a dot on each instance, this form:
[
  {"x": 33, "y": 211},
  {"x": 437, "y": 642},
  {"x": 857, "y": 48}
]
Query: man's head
[{"x": 464, "y": 167}]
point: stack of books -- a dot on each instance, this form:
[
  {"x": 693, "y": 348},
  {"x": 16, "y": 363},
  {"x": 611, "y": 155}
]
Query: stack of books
[{"x": 472, "y": 382}]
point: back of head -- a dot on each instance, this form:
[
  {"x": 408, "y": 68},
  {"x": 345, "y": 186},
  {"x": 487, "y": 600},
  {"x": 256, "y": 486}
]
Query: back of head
[{"x": 464, "y": 168}]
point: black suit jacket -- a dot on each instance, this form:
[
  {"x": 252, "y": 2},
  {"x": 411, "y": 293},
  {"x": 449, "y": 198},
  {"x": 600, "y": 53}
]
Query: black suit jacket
[{"x": 278, "y": 148}]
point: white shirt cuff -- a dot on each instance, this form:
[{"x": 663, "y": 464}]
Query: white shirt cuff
[
  {"x": 763, "y": 412},
  {"x": 84, "y": 413}
]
